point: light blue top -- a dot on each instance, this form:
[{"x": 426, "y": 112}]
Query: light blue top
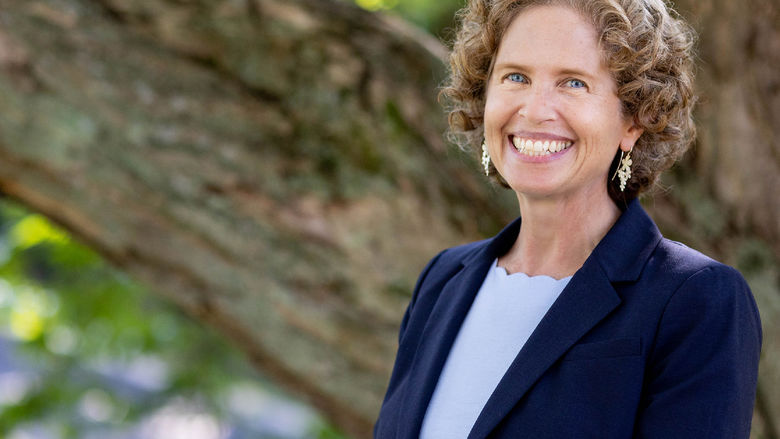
[{"x": 507, "y": 309}]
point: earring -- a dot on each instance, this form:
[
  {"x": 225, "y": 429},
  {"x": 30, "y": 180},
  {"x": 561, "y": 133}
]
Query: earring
[
  {"x": 485, "y": 158},
  {"x": 623, "y": 170}
]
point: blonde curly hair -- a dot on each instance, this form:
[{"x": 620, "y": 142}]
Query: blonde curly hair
[{"x": 647, "y": 48}]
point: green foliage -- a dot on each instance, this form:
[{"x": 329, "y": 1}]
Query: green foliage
[
  {"x": 327, "y": 432},
  {"x": 79, "y": 325}
]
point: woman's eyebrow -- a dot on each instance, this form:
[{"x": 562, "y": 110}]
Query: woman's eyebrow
[
  {"x": 575, "y": 72},
  {"x": 562, "y": 71},
  {"x": 510, "y": 66}
]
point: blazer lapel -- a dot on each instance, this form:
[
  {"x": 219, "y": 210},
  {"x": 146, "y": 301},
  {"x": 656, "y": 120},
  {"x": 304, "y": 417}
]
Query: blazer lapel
[
  {"x": 443, "y": 324},
  {"x": 587, "y": 299}
]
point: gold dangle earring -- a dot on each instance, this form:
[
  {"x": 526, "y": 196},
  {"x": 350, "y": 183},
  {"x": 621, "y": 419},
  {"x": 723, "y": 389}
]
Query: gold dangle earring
[
  {"x": 623, "y": 170},
  {"x": 485, "y": 158}
]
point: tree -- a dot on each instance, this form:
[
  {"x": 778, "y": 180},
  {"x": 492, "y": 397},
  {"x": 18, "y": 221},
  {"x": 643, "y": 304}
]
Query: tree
[{"x": 277, "y": 168}]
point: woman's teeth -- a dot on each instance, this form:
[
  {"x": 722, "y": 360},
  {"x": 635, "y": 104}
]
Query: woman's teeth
[{"x": 539, "y": 147}]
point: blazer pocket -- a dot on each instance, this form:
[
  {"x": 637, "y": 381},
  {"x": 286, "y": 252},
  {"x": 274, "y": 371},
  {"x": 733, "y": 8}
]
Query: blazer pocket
[{"x": 619, "y": 347}]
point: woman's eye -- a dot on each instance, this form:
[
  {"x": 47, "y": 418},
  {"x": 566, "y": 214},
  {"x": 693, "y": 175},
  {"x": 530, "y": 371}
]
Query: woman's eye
[
  {"x": 515, "y": 77},
  {"x": 575, "y": 83}
]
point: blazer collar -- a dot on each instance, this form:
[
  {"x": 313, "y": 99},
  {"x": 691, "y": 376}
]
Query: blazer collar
[
  {"x": 625, "y": 249},
  {"x": 586, "y": 300},
  {"x": 622, "y": 253}
]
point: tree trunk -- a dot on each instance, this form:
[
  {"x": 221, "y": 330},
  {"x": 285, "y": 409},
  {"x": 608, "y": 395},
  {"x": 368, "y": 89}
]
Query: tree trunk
[{"x": 277, "y": 168}]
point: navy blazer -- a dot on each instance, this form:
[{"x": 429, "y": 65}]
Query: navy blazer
[{"x": 649, "y": 339}]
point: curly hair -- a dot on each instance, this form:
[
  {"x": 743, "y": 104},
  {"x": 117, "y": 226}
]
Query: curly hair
[{"x": 647, "y": 48}]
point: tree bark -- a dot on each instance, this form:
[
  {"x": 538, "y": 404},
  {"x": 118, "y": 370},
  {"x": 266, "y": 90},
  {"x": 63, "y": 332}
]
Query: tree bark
[{"x": 277, "y": 168}]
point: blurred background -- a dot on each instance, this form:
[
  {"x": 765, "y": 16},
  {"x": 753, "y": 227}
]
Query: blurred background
[
  {"x": 204, "y": 233},
  {"x": 88, "y": 352}
]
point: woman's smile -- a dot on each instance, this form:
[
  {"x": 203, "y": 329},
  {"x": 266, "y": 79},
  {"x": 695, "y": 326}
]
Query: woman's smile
[{"x": 538, "y": 147}]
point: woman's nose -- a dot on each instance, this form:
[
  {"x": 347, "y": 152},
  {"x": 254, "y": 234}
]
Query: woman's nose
[{"x": 538, "y": 106}]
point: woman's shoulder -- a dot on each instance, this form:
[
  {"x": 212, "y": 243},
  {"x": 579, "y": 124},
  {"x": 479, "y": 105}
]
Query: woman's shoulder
[
  {"x": 448, "y": 261},
  {"x": 679, "y": 260},
  {"x": 463, "y": 251},
  {"x": 695, "y": 281}
]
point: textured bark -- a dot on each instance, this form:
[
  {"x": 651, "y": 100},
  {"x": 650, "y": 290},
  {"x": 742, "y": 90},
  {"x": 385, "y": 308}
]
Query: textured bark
[{"x": 277, "y": 168}]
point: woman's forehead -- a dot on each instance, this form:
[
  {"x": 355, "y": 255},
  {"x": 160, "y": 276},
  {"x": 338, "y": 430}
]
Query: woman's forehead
[{"x": 555, "y": 35}]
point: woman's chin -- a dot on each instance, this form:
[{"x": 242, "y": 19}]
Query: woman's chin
[{"x": 535, "y": 190}]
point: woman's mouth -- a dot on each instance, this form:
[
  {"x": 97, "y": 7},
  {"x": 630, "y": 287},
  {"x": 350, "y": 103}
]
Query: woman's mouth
[{"x": 537, "y": 147}]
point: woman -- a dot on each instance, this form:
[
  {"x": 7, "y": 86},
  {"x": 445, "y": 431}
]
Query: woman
[{"x": 579, "y": 320}]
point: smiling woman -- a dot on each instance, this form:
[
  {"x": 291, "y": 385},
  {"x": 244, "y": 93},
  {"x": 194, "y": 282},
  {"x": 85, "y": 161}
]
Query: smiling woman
[{"x": 578, "y": 319}]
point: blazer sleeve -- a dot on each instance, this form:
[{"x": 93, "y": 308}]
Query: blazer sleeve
[
  {"x": 405, "y": 350},
  {"x": 702, "y": 370}
]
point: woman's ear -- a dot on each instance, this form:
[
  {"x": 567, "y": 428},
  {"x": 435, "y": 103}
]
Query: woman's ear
[{"x": 630, "y": 136}]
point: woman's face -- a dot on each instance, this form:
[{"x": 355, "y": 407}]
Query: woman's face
[{"x": 553, "y": 121}]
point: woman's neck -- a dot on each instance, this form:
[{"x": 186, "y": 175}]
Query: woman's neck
[{"x": 557, "y": 236}]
